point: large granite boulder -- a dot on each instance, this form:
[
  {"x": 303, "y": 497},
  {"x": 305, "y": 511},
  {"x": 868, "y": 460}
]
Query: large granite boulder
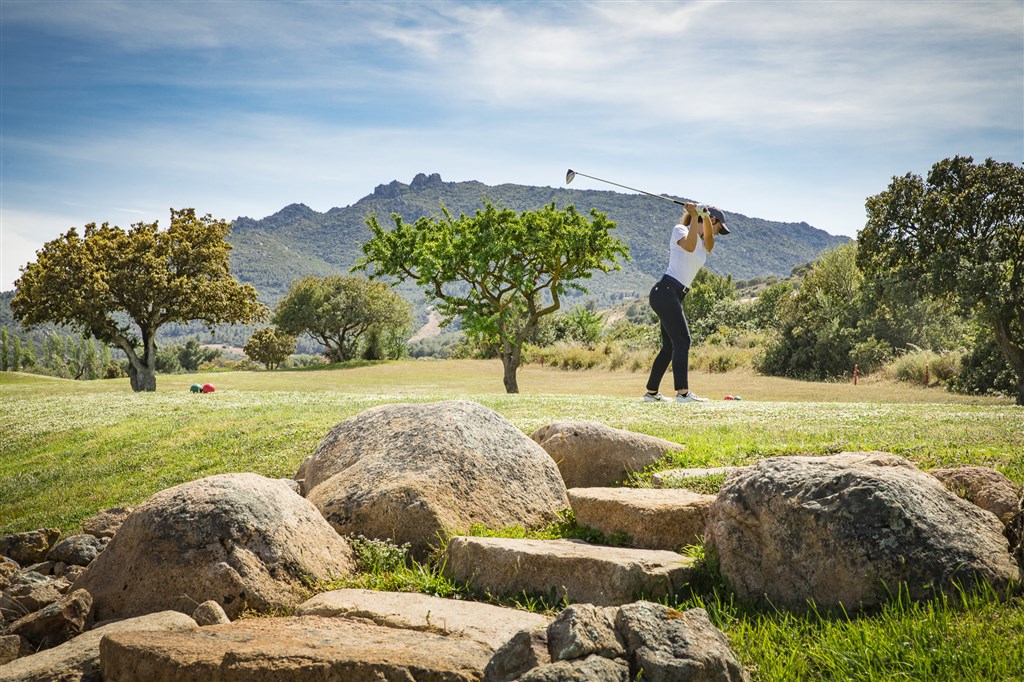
[
  {"x": 245, "y": 541},
  {"x": 590, "y": 454},
  {"x": 294, "y": 649},
  {"x": 411, "y": 472},
  {"x": 850, "y": 529}
]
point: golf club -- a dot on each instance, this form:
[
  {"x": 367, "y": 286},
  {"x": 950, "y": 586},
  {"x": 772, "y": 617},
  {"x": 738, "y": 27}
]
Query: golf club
[{"x": 570, "y": 174}]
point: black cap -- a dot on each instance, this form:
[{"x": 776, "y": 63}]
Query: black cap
[{"x": 717, "y": 214}]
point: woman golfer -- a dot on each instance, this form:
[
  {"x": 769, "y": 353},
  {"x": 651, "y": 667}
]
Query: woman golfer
[{"x": 691, "y": 242}]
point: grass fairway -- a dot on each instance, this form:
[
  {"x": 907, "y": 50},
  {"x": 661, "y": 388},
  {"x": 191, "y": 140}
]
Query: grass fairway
[{"x": 70, "y": 449}]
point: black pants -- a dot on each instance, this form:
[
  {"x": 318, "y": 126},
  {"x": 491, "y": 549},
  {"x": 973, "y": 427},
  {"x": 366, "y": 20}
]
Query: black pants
[{"x": 666, "y": 300}]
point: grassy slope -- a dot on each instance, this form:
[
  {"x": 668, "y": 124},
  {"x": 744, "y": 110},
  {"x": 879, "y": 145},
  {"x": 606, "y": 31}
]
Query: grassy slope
[{"x": 70, "y": 449}]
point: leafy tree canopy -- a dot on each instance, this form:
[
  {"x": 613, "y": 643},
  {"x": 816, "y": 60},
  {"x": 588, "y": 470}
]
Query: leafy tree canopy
[
  {"x": 270, "y": 347},
  {"x": 120, "y": 286},
  {"x": 960, "y": 234},
  {"x": 500, "y": 271},
  {"x": 337, "y": 311}
]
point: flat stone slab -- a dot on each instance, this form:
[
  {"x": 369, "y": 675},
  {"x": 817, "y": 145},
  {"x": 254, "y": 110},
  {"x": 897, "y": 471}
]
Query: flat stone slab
[
  {"x": 566, "y": 569},
  {"x": 490, "y": 625},
  {"x": 79, "y": 658},
  {"x": 669, "y": 519},
  {"x": 676, "y": 478},
  {"x": 292, "y": 649}
]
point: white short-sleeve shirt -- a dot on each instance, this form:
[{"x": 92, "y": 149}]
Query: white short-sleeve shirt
[{"x": 682, "y": 265}]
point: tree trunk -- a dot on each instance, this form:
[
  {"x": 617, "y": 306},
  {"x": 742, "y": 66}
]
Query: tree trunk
[
  {"x": 142, "y": 378},
  {"x": 510, "y": 361},
  {"x": 141, "y": 371},
  {"x": 1013, "y": 353}
]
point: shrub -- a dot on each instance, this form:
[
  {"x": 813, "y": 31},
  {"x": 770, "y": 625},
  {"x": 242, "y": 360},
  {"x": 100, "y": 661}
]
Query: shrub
[{"x": 924, "y": 367}]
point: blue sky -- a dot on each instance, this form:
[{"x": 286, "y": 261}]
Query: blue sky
[{"x": 117, "y": 111}]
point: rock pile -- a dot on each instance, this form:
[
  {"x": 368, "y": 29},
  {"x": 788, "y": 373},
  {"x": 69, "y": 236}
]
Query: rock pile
[
  {"x": 158, "y": 591},
  {"x": 642, "y": 640}
]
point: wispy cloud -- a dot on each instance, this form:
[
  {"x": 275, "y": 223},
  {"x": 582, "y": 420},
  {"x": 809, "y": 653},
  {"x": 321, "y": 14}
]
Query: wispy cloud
[{"x": 786, "y": 110}]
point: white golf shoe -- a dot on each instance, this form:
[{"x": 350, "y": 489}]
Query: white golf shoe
[{"x": 690, "y": 397}]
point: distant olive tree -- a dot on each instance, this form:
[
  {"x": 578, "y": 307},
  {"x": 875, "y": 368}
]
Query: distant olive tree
[
  {"x": 498, "y": 271},
  {"x": 337, "y": 311},
  {"x": 270, "y": 347}
]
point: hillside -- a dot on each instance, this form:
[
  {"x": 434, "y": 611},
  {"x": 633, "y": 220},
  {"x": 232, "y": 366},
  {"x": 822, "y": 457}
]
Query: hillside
[{"x": 271, "y": 252}]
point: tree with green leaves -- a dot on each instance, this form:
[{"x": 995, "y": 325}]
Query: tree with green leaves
[
  {"x": 498, "y": 271},
  {"x": 337, "y": 310},
  {"x": 270, "y": 347},
  {"x": 957, "y": 234},
  {"x": 817, "y": 327},
  {"x": 120, "y": 286}
]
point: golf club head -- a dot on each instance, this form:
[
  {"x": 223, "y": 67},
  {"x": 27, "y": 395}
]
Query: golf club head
[{"x": 569, "y": 175}]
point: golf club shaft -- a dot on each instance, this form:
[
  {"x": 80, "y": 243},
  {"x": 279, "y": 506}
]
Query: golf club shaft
[{"x": 632, "y": 189}]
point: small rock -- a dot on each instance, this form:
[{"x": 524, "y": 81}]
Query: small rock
[
  {"x": 57, "y": 623},
  {"x": 592, "y": 669},
  {"x": 526, "y": 650},
  {"x": 78, "y": 550},
  {"x": 42, "y": 568},
  {"x": 29, "y": 547},
  {"x": 584, "y": 629},
  {"x": 210, "y": 613},
  {"x": 666, "y": 645},
  {"x": 293, "y": 484},
  {"x": 71, "y": 573},
  {"x": 106, "y": 523},
  {"x": 984, "y": 487},
  {"x": 28, "y": 593},
  {"x": 13, "y": 647},
  {"x": 9, "y": 569}
]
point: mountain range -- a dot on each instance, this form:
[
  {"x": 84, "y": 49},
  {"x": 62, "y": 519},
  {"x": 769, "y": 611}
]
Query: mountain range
[{"x": 271, "y": 252}]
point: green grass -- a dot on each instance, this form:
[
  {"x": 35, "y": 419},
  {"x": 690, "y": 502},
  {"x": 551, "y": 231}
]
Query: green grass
[{"x": 70, "y": 449}]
